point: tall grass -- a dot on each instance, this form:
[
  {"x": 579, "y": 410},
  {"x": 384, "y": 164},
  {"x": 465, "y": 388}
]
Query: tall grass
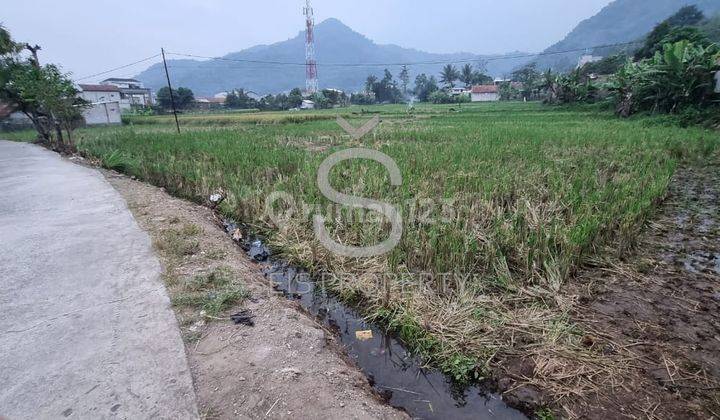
[
  {"x": 536, "y": 191},
  {"x": 227, "y": 118}
]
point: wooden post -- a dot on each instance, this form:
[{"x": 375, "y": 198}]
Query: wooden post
[{"x": 172, "y": 97}]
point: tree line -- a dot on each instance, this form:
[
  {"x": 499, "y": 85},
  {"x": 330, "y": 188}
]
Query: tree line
[
  {"x": 43, "y": 93},
  {"x": 426, "y": 88},
  {"x": 387, "y": 89},
  {"x": 673, "y": 72},
  {"x": 241, "y": 99}
]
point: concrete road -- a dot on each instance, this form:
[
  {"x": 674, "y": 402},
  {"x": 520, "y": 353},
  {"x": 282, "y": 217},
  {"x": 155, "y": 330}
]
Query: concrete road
[{"x": 86, "y": 328}]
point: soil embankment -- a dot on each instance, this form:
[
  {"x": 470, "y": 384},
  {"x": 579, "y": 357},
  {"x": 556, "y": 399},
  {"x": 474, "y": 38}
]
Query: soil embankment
[
  {"x": 659, "y": 306},
  {"x": 286, "y": 365}
]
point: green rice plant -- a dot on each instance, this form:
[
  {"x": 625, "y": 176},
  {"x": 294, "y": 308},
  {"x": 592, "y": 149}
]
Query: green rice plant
[{"x": 536, "y": 193}]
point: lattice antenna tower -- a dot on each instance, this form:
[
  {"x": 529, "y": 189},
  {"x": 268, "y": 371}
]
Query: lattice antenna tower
[{"x": 311, "y": 76}]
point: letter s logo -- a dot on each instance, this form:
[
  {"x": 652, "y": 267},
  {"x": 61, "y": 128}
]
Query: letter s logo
[{"x": 323, "y": 180}]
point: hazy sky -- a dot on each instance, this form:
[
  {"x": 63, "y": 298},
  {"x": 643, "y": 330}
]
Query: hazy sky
[{"x": 90, "y": 36}]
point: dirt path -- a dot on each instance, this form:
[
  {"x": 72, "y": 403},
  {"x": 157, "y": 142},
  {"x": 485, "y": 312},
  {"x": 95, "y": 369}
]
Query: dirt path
[
  {"x": 659, "y": 310},
  {"x": 285, "y": 366}
]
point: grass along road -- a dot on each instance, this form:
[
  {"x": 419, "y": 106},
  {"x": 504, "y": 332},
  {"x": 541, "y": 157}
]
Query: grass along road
[{"x": 536, "y": 193}]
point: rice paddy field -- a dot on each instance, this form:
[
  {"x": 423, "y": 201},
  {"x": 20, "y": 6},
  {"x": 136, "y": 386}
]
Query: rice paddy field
[{"x": 501, "y": 205}]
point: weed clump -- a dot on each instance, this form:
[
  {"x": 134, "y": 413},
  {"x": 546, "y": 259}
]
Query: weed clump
[
  {"x": 180, "y": 242},
  {"x": 212, "y": 292}
]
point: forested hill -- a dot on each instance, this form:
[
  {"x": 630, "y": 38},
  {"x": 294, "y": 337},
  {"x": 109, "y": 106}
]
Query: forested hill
[
  {"x": 619, "y": 22},
  {"x": 335, "y": 43}
]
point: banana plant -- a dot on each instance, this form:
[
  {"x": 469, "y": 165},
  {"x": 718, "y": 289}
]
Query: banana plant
[{"x": 679, "y": 76}]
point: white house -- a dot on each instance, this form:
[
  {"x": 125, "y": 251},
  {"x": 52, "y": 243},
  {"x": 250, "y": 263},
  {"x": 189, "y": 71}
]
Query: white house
[
  {"x": 485, "y": 93},
  {"x": 105, "y": 104},
  {"x": 132, "y": 92},
  {"x": 100, "y": 93},
  {"x": 103, "y": 113},
  {"x": 307, "y": 104}
]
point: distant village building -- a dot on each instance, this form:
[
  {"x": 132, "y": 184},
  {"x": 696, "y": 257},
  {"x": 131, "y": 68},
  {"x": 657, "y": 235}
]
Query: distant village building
[
  {"x": 485, "y": 93},
  {"x": 100, "y": 93},
  {"x": 132, "y": 92},
  {"x": 105, "y": 104},
  {"x": 250, "y": 94},
  {"x": 460, "y": 90},
  {"x": 307, "y": 104},
  {"x": 206, "y": 103},
  {"x": 587, "y": 59}
]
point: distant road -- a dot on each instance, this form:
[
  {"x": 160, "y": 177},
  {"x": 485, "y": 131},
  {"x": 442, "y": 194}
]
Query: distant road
[{"x": 86, "y": 329}]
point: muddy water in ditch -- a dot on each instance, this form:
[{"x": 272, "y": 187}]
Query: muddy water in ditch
[{"x": 393, "y": 371}]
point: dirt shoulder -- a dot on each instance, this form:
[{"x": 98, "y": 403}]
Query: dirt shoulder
[
  {"x": 656, "y": 311},
  {"x": 286, "y": 365}
]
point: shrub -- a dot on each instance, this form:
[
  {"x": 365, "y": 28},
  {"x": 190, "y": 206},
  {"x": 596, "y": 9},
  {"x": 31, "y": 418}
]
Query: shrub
[
  {"x": 679, "y": 77},
  {"x": 442, "y": 97}
]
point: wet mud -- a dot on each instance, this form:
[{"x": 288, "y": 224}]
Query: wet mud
[
  {"x": 662, "y": 302},
  {"x": 395, "y": 373}
]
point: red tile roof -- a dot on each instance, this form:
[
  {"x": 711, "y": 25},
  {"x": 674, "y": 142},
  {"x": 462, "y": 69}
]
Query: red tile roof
[
  {"x": 485, "y": 89},
  {"x": 99, "y": 88}
]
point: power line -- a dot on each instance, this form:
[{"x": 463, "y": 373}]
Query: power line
[
  {"x": 498, "y": 58},
  {"x": 118, "y": 68},
  {"x": 285, "y": 63}
]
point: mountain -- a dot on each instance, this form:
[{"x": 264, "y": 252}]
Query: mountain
[
  {"x": 335, "y": 43},
  {"x": 619, "y": 22}
]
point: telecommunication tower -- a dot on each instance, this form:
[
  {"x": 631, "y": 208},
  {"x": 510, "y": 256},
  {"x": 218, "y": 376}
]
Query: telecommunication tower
[{"x": 311, "y": 81}]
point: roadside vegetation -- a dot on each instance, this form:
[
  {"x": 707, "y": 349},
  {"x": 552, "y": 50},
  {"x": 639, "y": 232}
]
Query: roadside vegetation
[
  {"x": 43, "y": 93},
  {"x": 672, "y": 72},
  {"x": 517, "y": 198},
  {"x": 502, "y": 204},
  {"x": 212, "y": 291}
]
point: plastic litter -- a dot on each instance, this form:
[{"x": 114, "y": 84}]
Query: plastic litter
[
  {"x": 244, "y": 317},
  {"x": 364, "y": 335}
]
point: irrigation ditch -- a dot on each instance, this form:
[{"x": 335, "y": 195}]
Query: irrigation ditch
[{"x": 395, "y": 373}]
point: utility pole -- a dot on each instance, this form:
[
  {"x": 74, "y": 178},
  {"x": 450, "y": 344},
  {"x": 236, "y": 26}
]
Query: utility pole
[{"x": 172, "y": 97}]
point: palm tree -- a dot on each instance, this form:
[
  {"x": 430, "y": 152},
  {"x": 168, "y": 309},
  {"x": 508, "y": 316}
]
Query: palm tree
[
  {"x": 370, "y": 83},
  {"x": 467, "y": 75},
  {"x": 6, "y": 43},
  {"x": 404, "y": 78},
  {"x": 449, "y": 75}
]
